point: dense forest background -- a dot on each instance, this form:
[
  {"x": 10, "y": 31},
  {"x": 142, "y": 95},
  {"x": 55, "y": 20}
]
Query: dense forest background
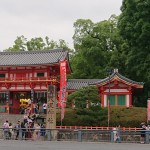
[{"x": 121, "y": 42}]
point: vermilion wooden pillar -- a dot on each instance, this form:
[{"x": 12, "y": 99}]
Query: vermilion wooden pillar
[{"x": 130, "y": 99}]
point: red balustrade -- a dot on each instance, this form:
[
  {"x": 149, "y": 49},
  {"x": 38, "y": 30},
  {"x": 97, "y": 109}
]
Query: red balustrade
[{"x": 97, "y": 128}]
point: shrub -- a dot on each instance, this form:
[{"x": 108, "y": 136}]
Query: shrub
[{"x": 126, "y": 117}]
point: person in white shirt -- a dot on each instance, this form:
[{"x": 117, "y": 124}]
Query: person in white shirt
[
  {"x": 45, "y": 108},
  {"x": 36, "y": 134},
  {"x": 11, "y": 132},
  {"x": 6, "y": 129}
]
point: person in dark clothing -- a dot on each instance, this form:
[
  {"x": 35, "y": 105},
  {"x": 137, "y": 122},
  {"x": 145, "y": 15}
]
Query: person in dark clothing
[
  {"x": 24, "y": 131},
  {"x": 42, "y": 130},
  {"x": 143, "y": 129},
  {"x": 17, "y": 128}
]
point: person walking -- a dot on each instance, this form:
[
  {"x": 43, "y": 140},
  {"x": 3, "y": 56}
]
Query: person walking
[
  {"x": 24, "y": 131},
  {"x": 118, "y": 139},
  {"x": 17, "y": 128},
  {"x": 6, "y": 130},
  {"x": 37, "y": 129},
  {"x": 114, "y": 134},
  {"x": 143, "y": 129},
  {"x": 11, "y": 132},
  {"x": 43, "y": 130}
]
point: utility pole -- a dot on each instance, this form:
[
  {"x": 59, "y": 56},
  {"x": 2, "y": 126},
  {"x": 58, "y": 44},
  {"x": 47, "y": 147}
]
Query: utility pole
[{"x": 108, "y": 98}]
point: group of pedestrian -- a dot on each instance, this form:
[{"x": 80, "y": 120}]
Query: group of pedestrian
[
  {"x": 35, "y": 108},
  {"x": 9, "y": 131},
  {"x": 26, "y": 129},
  {"x": 143, "y": 128}
]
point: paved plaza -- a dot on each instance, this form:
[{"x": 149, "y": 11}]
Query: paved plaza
[{"x": 50, "y": 145}]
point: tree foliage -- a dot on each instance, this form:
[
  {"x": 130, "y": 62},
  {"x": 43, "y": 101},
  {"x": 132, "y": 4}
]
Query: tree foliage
[
  {"x": 37, "y": 43},
  {"x": 86, "y": 94},
  {"x": 134, "y": 27},
  {"x": 98, "y": 47}
]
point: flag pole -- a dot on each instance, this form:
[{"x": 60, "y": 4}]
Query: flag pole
[
  {"x": 62, "y": 94},
  {"x": 61, "y": 116},
  {"x": 108, "y": 100}
]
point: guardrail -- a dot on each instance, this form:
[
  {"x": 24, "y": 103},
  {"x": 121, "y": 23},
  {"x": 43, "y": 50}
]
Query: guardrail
[
  {"x": 97, "y": 128},
  {"x": 84, "y": 135}
]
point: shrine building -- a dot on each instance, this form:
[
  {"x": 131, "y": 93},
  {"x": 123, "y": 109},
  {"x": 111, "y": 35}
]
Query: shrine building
[
  {"x": 27, "y": 75},
  {"x": 117, "y": 88}
]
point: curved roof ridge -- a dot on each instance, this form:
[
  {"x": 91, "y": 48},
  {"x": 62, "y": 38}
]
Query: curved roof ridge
[
  {"x": 120, "y": 76},
  {"x": 127, "y": 79}
]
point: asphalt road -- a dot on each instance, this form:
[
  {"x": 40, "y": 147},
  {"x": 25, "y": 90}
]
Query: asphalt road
[{"x": 50, "y": 145}]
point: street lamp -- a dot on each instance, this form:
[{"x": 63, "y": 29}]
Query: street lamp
[{"x": 108, "y": 97}]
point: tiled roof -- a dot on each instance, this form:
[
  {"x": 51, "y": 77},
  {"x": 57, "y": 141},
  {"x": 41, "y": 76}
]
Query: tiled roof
[
  {"x": 75, "y": 84},
  {"x": 116, "y": 74},
  {"x": 32, "y": 57}
]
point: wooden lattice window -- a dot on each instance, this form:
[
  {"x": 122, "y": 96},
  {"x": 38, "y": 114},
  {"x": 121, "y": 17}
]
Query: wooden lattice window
[
  {"x": 121, "y": 100},
  {"x": 112, "y": 100},
  {"x": 41, "y": 74},
  {"x": 2, "y": 75}
]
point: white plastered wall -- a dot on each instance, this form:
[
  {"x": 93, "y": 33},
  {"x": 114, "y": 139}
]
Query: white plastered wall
[
  {"x": 127, "y": 101},
  {"x": 105, "y": 100}
]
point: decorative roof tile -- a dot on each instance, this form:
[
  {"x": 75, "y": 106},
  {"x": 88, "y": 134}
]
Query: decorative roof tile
[{"x": 24, "y": 58}]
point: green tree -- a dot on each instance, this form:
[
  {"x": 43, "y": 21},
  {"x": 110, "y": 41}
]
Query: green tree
[
  {"x": 98, "y": 47},
  {"x": 19, "y": 44},
  {"x": 134, "y": 26},
  {"x": 37, "y": 43},
  {"x": 86, "y": 94}
]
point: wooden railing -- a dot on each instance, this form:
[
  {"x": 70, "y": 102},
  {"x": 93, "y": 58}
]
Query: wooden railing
[{"x": 28, "y": 79}]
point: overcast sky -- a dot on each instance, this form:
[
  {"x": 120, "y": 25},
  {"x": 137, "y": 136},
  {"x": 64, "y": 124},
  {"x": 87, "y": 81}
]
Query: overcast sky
[{"x": 52, "y": 18}]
